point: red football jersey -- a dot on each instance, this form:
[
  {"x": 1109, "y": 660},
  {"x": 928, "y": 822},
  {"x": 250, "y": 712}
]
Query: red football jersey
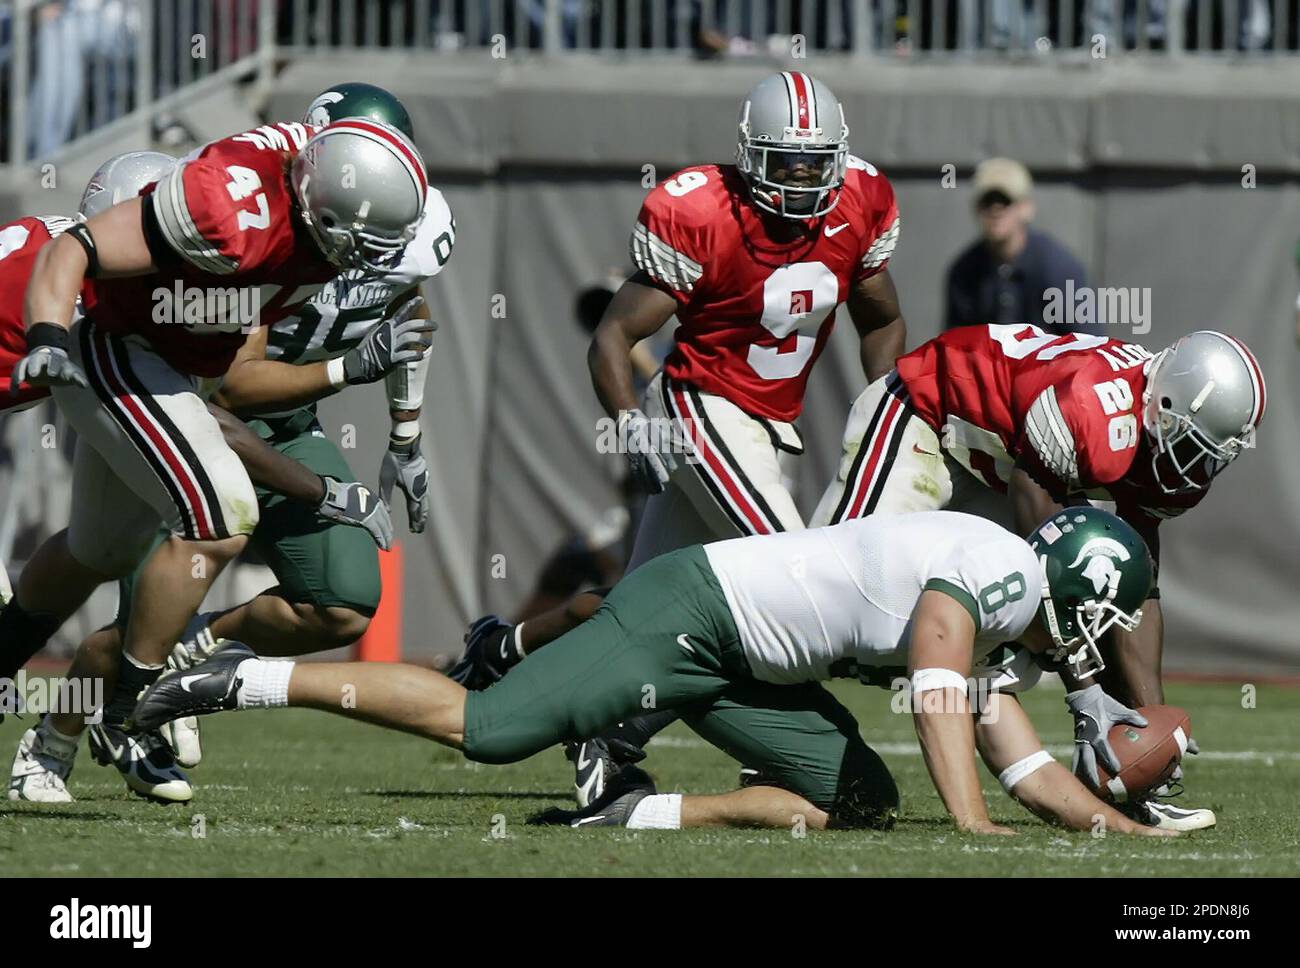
[
  {"x": 755, "y": 312},
  {"x": 229, "y": 213},
  {"x": 20, "y": 241},
  {"x": 1071, "y": 406}
]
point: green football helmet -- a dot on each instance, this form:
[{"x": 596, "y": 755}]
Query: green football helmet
[
  {"x": 356, "y": 99},
  {"x": 1097, "y": 572}
]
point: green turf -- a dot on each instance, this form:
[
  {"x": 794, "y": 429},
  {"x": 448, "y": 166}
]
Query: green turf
[{"x": 301, "y": 793}]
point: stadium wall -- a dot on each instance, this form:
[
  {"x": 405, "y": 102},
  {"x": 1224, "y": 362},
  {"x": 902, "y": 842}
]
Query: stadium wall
[{"x": 1140, "y": 171}]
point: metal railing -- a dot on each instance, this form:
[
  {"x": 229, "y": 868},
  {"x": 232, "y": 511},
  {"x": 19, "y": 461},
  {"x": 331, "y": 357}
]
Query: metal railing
[
  {"x": 747, "y": 27},
  {"x": 74, "y": 71}
]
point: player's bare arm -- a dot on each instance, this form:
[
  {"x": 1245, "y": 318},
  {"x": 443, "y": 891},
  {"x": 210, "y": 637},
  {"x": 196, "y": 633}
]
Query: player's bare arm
[
  {"x": 1011, "y": 749},
  {"x": 873, "y": 307},
  {"x": 943, "y": 636},
  {"x": 118, "y": 240},
  {"x": 255, "y": 383},
  {"x": 638, "y": 310}
]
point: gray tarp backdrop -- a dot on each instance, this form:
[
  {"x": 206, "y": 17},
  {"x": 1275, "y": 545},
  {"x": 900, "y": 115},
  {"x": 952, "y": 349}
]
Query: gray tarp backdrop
[{"x": 1140, "y": 171}]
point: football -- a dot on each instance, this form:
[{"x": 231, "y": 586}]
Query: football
[{"x": 1147, "y": 755}]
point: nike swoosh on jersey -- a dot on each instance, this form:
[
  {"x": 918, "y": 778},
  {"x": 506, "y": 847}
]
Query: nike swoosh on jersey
[
  {"x": 836, "y": 230},
  {"x": 685, "y": 643}
]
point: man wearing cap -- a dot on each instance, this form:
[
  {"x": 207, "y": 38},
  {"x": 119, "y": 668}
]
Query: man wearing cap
[{"x": 1007, "y": 274}]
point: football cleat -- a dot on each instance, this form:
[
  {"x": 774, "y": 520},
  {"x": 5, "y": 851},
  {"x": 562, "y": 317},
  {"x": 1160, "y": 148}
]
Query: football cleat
[
  {"x": 182, "y": 735},
  {"x": 208, "y": 687},
  {"x": 145, "y": 761},
  {"x": 197, "y": 644},
  {"x": 41, "y": 769},
  {"x": 1165, "y": 816},
  {"x": 613, "y": 809},
  {"x": 597, "y": 765},
  {"x": 489, "y": 654}
]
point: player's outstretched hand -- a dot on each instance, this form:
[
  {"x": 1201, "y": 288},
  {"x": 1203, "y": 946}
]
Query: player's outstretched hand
[
  {"x": 405, "y": 466},
  {"x": 401, "y": 338},
  {"x": 1094, "y": 714},
  {"x": 353, "y": 504},
  {"x": 47, "y": 363},
  {"x": 651, "y": 460},
  {"x": 986, "y": 828}
]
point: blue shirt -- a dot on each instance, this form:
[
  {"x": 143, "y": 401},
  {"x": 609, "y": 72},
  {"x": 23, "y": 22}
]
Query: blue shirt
[{"x": 980, "y": 290}]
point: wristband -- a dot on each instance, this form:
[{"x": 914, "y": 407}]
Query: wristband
[
  {"x": 405, "y": 431},
  {"x": 1020, "y": 769},
  {"x": 47, "y": 334},
  {"x": 336, "y": 373}
]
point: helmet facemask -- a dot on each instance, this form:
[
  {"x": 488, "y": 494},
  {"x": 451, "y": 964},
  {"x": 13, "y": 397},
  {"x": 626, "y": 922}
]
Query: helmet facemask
[
  {"x": 800, "y": 150},
  {"x": 1184, "y": 458},
  {"x": 1077, "y": 629},
  {"x": 351, "y": 248}
]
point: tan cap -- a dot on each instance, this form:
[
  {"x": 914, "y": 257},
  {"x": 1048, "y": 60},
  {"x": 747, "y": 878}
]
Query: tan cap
[{"x": 1004, "y": 175}]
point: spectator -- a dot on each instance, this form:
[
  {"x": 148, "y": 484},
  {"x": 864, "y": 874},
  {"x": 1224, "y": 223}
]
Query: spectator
[{"x": 1006, "y": 276}]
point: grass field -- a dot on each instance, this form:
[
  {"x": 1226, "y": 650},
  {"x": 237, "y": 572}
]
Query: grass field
[{"x": 301, "y": 793}]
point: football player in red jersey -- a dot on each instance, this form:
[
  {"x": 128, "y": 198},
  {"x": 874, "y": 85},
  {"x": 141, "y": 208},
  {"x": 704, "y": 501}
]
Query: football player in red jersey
[
  {"x": 753, "y": 259},
  {"x": 275, "y": 212},
  {"x": 1052, "y": 420}
]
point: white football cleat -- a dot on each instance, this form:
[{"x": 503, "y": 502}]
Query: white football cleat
[
  {"x": 1165, "y": 816},
  {"x": 182, "y": 735},
  {"x": 41, "y": 769}
]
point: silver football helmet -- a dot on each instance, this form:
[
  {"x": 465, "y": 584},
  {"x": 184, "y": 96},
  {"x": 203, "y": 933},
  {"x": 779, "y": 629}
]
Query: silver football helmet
[
  {"x": 122, "y": 177},
  {"x": 1203, "y": 401},
  {"x": 361, "y": 187},
  {"x": 793, "y": 149}
]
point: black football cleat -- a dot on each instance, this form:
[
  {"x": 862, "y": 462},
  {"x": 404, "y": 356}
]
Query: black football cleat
[
  {"x": 209, "y": 687},
  {"x": 613, "y": 809},
  {"x": 489, "y": 654},
  {"x": 597, "y": 765},
  {"x": 145, "y": 761}
]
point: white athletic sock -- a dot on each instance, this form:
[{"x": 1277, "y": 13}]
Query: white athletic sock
[
  {"x": 56, "y": 741},
  {"x": 138, "y": 664},
  {"x": 266, "y": 683},
  {"x": 660, "y": 811}
]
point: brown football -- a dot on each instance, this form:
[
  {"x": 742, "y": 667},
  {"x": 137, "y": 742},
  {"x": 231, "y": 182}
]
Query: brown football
[{"x": 1147, "y": 756}]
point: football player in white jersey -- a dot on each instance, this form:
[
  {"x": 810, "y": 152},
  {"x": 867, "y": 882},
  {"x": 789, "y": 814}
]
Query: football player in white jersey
[
  {"x": 737, "y": 635},
  {"x": 356, "y": 330}
]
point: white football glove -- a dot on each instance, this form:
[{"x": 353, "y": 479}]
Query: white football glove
[
  {"x": 406, "y": 467},
  {"x": 352, "y": 504},
  {"x": 652, "y": 461},
  {"x": 1094, "y": 715},
  {"x": 47, "y": 363}
]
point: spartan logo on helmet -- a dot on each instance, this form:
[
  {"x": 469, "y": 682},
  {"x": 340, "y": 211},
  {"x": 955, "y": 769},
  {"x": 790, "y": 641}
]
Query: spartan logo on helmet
[
  {"x": 1096, "y": 573},
  {"x": 356, "y": 99},
  {"x": 318, "y": 114},
  {"x": 1098, "y": 558}
]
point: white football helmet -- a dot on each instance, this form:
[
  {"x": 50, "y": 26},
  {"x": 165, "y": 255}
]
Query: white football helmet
[
  {"x": 361, "y": 188},
  {"x": 122, "y": 177},
  {"x": 793, "y": 148},
  {"x": 1203, "y": 401}
]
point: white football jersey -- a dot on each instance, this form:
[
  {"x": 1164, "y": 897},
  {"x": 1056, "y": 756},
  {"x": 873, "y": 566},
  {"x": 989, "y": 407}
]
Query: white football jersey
[
  {"x": 803, "y": 600},
  {"x": 347, "y": 308}
]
